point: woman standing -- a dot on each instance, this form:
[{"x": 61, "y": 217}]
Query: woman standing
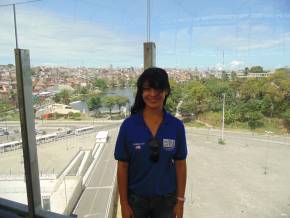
[{"x": 151, "y": 152}]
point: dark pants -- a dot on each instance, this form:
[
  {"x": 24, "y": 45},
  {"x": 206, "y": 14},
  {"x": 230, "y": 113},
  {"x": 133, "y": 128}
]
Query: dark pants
[{"x": 153, "y": 207}]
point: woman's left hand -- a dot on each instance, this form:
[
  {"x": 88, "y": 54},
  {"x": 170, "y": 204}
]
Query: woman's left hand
[{"x": 178, "y": 210}]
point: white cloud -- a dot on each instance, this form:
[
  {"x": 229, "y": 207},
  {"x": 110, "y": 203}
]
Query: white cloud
[
  {"x": 233, "y": 65},
  {"x": 59, "y": 40},
  {"x": 219, "y": 66},
  {"x": 236, "y": 64}
]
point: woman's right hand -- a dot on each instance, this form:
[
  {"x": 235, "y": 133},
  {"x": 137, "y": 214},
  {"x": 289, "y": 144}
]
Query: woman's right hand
[{"x": 127, "y": 211}]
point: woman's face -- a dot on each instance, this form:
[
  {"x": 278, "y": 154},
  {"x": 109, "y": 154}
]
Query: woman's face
[{"x": 153, "y": 98}]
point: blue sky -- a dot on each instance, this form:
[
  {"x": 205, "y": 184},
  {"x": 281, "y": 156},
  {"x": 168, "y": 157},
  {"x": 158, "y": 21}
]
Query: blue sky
[{"x": 187, "y": 33}]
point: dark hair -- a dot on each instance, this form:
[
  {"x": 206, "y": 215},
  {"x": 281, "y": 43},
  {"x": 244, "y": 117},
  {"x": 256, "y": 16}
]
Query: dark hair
[{"x": 157, "y": 78}]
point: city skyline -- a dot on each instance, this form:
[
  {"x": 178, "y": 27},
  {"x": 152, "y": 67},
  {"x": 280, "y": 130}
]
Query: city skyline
[{"x": 187, "y": 34}]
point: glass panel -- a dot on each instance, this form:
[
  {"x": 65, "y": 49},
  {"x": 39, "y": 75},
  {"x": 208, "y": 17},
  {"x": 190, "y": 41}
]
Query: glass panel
[
  {"x": 83, "y": 84},
  {"x": 229, "y": 71},
  {"x": 241, "y": 51},
  {"x": 12, "y": 179}
]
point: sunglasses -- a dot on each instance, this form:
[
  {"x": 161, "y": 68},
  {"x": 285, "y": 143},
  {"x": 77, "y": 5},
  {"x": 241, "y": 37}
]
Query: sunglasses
[{"x": 154, "y": 146}]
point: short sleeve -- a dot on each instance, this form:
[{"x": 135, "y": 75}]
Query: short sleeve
[
  {"x": 181, "y": 149},
  {"x": 121, "y": 151}
]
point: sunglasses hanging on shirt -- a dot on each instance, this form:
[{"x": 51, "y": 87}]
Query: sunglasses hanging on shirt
[{"x": 154, "y": 146}]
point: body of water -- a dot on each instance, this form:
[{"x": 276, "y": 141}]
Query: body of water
[{"x": 127, "y": 92}]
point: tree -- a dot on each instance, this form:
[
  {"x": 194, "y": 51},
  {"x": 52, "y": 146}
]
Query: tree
[
  {"x": 109, "y": 102},
  {"x": 254, "y": 119},
  {"x": 230, "y": 116},
  {"x": 225, "y": 75},
  {"x": 216, "y": 88},
  {"x": 170, "y": 106},
  {"x": 281, "y": 79},
  {"x": 188, "y": 108},
  {"x": 195, "y": 97},
  {"x": 121, "y": 101},
  {"x": 233, "y": 75},
  {"x": 62, "y": 97},
  {"x": 13, "y": 96},
  {"x": 84, "y": 90},
  {"x": 56, "y": 98},
  {"x": 286, "y": 119},
  {"x": 250, "y": 112},
  {"x": 65, "y": 94},
  {"x": 94, "y": 103},
  {"x": 101, "y": 84},
  {"x": 256, "y": 69},
  {"x": 246, "y": 71},
  {"x": 267, "y": 106},
  {"x": 36, "y": 100},
  {"x": 175, "y": 97},
  {"x": 132, "y": 82},
  {"x": 250, "y": 89}
]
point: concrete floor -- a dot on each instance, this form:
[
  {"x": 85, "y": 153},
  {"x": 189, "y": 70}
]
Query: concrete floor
[
  {"x": 249, "y": 176},
  {"x": 243, "y": 178}
]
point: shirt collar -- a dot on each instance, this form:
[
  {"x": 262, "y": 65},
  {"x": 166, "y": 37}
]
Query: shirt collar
[{"x": 166, "y": 117}]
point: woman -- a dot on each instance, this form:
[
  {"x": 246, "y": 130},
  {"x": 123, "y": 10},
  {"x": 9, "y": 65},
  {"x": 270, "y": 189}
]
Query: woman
[{"x": 151, "y": 152}]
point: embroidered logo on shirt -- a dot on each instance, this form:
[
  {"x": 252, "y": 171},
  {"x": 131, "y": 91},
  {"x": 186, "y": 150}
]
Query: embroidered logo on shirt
[
  {"x": 138, "y": 146},
  {"x": 168, "y": 144}
]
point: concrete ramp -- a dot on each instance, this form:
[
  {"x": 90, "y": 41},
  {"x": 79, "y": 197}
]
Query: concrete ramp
[{"x": 98, "y": 198}]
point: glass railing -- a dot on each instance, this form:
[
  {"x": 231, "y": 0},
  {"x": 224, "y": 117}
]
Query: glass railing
[{"x": 12, "y": 179}]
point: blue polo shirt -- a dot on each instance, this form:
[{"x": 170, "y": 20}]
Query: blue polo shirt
[{"x": 147, "y": 178}]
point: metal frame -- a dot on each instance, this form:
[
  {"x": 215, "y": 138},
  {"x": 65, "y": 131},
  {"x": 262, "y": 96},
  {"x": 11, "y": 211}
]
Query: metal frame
[
  {"x": 24, "y": 90},
  {"x": 22, "y": 210},
  {"x": 149, "y": 55}
]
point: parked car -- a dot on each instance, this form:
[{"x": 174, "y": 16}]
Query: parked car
[{"x": 3, "y": 131}]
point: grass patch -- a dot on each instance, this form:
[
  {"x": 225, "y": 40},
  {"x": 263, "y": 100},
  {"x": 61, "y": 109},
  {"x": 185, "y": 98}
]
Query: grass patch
[
  {"x": 212, "y": 118},
  {"x": 10, "y": 117},
  {"x": 274, "y": 125}
]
